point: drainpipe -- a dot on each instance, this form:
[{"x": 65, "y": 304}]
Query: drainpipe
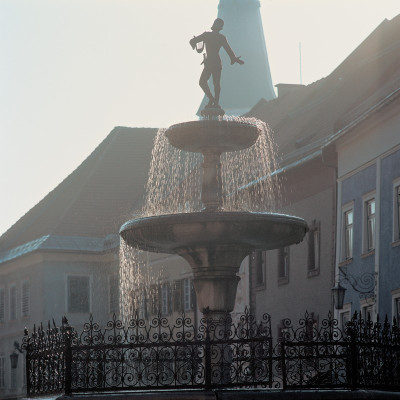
[
  {"x": 329, "y": 158},
  {"x": 377, "y": 232}
]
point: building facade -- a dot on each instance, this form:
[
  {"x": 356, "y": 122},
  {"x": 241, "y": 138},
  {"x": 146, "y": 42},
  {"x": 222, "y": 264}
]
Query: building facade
[{"x": 368, "y": 252}]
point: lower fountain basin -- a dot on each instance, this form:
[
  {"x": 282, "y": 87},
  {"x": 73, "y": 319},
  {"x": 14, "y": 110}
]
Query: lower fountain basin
[
  {"x": 214, "y": 244},
  {"x": 175, "y": 233},
  {"x": 212, "y": 136}
]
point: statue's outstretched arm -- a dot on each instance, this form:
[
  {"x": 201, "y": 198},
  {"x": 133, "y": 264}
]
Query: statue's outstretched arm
[{"x": 231, "y": 54}]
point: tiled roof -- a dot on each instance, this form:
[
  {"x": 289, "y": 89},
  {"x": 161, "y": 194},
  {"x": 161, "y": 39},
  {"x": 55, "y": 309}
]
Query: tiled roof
[
  {"x": 81, "y": 244},
  {"x": 304, "y": 119},
  {"x": 95, "y": 199}
]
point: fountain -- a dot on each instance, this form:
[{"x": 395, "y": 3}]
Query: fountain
[{"x": 213, "y": 241}]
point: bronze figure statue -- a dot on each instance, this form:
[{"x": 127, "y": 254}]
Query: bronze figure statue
[{"x": 213, "y": 41}]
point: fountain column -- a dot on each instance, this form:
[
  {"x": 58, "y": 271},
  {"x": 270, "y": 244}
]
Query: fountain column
[{"x": 211, "y": 190}]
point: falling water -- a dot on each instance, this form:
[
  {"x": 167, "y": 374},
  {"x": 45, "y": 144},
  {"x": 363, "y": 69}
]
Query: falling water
[
  {"x": 139, "y": 282},
  {"x": 248, "y": 179},
  {"x": 174, "y": 186}
]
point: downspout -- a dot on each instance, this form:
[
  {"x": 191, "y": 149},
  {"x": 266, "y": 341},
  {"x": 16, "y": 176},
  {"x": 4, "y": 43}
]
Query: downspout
[
  {"x": 377, "y": 232},
  {"x": 326, "y": 160}
]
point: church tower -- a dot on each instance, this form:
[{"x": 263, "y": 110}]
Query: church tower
[{"x": 242, "y": 86}]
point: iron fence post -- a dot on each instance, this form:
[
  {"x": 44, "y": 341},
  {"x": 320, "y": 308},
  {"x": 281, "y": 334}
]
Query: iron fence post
[
  {"x": 207, "y": 361},
  {"x": 270, "y": 359},
  {"x": 353, "y": 359},
  {"x": 283, "y": 363},
  {"x": 68, "y": 362},
  {"x": 28, "y": 368}
]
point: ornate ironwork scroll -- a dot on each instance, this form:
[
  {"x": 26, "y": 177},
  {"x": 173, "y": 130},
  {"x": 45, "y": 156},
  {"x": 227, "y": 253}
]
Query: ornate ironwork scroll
[{"x": 155, "y": 354}]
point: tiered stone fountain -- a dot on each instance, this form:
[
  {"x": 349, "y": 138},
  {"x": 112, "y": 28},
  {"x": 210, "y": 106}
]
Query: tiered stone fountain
[{"x": 213, "y": 241}]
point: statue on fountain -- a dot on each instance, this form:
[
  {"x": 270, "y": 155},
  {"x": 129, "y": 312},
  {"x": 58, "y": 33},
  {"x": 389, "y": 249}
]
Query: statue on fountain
[{"x": 213, "y": 42}]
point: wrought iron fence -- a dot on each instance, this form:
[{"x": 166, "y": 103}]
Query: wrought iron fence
[{"x": 151, "y": 355}]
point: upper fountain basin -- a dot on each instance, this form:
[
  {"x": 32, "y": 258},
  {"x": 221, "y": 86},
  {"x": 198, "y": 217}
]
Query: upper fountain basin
[
  {"x": 175, "y": 233},
  {"x": 210, "y": 135}
]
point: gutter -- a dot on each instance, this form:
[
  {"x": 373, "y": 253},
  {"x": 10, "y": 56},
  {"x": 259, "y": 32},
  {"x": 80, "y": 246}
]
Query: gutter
[
  {"x": 378, "y": 106},
  {"x": 330, "y": 139}
]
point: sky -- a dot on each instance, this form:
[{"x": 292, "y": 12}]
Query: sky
[{"x": 72, "y": 70}]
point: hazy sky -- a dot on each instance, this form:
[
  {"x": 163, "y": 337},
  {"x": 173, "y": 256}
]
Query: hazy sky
[{"x": 71, "y": 70}]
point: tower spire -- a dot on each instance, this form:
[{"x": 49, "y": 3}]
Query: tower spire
[{"x": 243, "y": 87}]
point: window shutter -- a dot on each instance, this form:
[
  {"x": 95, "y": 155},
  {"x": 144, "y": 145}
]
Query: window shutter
[
  {"x": 25, "y": 299},
  {"x": 169, "y": 298},
  {"x": 192, "y": 296},
  {"x": 13, "y": 302}
]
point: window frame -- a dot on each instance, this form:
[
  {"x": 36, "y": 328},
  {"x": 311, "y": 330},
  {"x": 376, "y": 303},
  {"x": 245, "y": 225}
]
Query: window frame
[
  {"x": 345, "y": 310},
  {"x": 89, "y": 277},
  {"x": 343, "y": 253},
  {"x": 396, "y": 211},
  {"x": 368, "y": 247},
  {"x": 396, "y": 302},
  {"x": 314, "y": 249},
  {"x": 367, "y": 308}
]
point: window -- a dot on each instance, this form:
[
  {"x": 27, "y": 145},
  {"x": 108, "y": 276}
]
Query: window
[
  {"x": 155, "y": 299},
  {"x": 367, "y": 313},
  {"x": 369, "y": 225},
  {"x": 313, "y": 248},
  {"x": 78, "y": 294},
  {"x": 344, "y": 316},
  {"x": 344, "y": 319},
  {"x": 177, "y": 296},
  {"x": 187, "y": 294},
  {"x": 283, "y": 264},
  {"x": 396, "y": 308},
  {"x": 13, "y": 302},
  {"x": 2, "y": 305},
  {"x": 25, "y": 299},
  {"x": 396, "y": 212},
  {"x": 348, "y": 234},
  {"x": 2, "y": 372},
  {"x": 113, "y": 294},
  {"x": 165, "y": 295}
]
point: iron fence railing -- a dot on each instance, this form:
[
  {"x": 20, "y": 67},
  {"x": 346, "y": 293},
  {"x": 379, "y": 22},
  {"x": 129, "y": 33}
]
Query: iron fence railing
[{"x": 151, "y": 355}]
